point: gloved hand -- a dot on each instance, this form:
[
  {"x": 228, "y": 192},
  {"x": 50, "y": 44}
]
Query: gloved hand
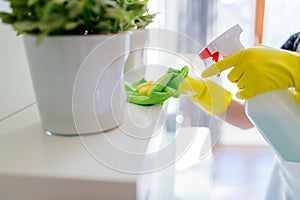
[
  {"x": 260, "y": 69},
  {"x": 208, "y": 95}
]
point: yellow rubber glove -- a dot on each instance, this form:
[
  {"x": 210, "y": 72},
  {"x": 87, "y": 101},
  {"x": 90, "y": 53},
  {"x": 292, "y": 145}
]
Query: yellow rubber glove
[
  {"x": 297, "y": 96},
  {"x": 208, "y": 95},
  {"x": 260, "y": 69}
]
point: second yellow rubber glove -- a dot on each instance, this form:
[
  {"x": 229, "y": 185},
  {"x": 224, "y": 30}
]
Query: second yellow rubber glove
[
  {"x": 208, "y": 95},
  {"x": 260, "y": 69}
]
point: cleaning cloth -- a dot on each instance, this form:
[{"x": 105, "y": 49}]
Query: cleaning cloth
[{"x": 151, "y": 93}]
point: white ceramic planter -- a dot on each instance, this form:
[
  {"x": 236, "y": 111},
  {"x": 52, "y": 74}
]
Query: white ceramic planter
[
  {"x": 78, "y": 81},
  {"x": 135, "y": 65}
]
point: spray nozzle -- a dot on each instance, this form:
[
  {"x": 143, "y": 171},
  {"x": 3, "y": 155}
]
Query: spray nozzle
[
  {"x": 224, "y": 45},
  {"x": 205, "y": 53}
]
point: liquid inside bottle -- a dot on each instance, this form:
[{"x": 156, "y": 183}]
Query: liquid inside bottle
[{"x": 276, "y": 114}]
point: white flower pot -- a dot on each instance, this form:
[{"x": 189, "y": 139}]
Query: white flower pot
[
  {"x": 78, "y": 81},
  {"x": 135, "y": 65}
]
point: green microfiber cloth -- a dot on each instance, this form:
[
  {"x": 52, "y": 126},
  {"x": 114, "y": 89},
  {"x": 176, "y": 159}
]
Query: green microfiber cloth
[{"x": 165, "y": 87}]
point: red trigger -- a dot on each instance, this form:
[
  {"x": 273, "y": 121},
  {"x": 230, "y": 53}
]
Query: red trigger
[{"x": 215, "y": 56}]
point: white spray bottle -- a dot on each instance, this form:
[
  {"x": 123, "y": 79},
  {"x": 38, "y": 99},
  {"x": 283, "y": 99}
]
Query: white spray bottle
[{"x": 276, "y": 114}]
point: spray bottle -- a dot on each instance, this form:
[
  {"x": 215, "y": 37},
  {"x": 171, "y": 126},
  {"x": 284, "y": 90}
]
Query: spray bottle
[{"x": 276, "y": 114}]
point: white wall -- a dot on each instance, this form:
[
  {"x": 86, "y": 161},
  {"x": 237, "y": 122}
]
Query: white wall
[{"x": 16, "y": 90}]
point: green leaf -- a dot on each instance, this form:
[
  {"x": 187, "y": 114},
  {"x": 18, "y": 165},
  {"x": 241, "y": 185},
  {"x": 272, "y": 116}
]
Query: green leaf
[
  {"x": 52, "y": 22},
  {"x": 18, "y": 3},
  {"x": 116, "y": 14},
  {"x": 74, "y": 9},
  {"x": 7, "y": 18},
  {"x": 38, "y": 11},
  {"x": 71, "y": 25},
  {"x": 59, "y": 1},
  {"x": 24, "y": 26},
  {"x": 32, "y": 2},
  {"x": 104, "y": 26},
  {"x": 87, "y": 14},
  {"x": 40, "y": 38},
  {"x": 48, "y": 8}
]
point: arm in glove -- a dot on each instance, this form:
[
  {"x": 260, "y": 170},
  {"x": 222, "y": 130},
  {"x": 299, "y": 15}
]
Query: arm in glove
[
  {"x": 208, "y": 95},
  {"x": 259, "y": 69}
]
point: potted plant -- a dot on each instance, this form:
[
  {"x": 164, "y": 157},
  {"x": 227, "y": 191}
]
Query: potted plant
[{"x": 76, "y": 52}]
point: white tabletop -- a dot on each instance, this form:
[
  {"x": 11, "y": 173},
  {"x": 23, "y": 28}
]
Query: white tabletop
[
  {"x": 113, "y": 157},
  {"x": 113, "y": 165}
]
